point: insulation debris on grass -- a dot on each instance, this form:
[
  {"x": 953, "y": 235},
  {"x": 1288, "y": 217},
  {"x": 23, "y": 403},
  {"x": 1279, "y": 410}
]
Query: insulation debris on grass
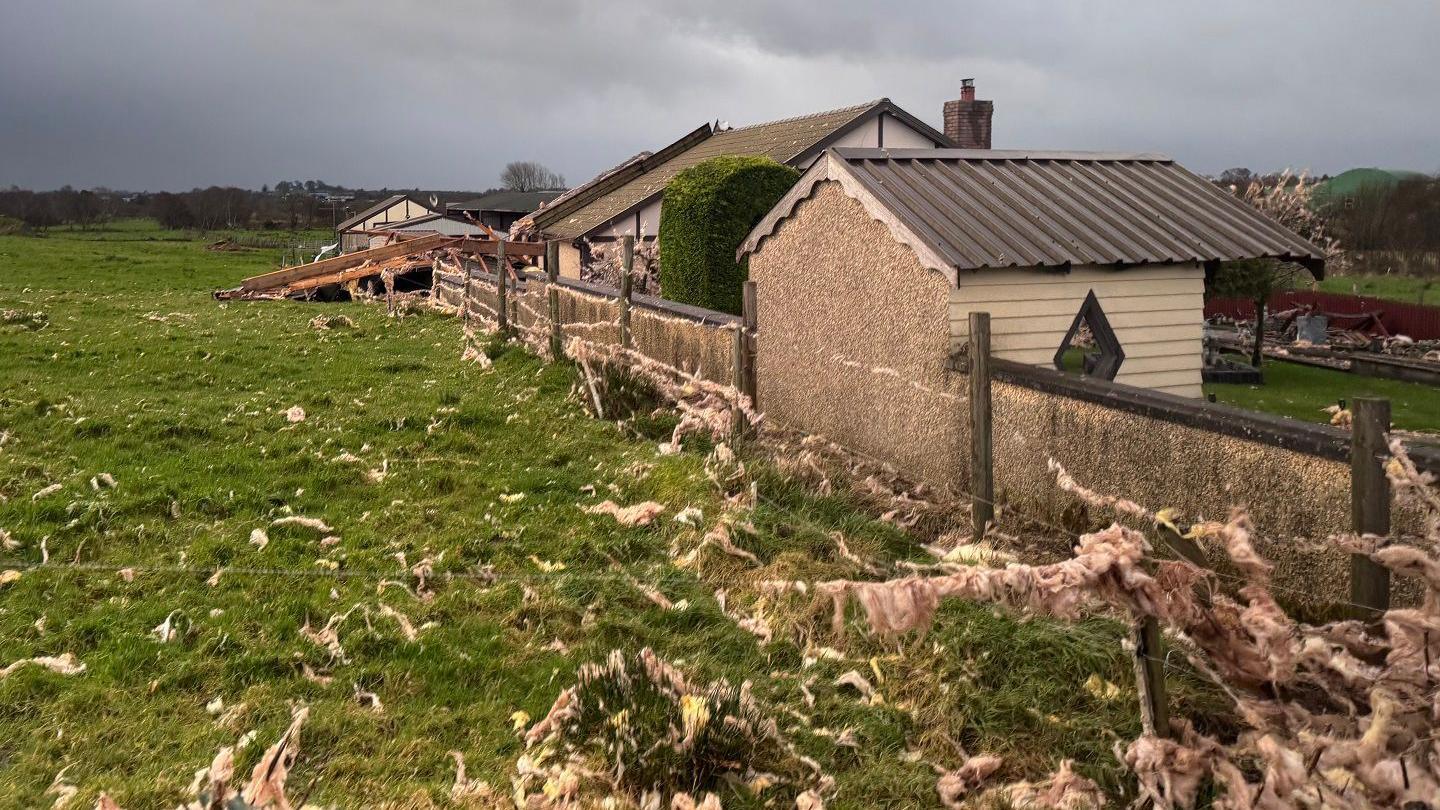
[
  {"x": 63, "y": 791},
  {"x": 8, "y": 541},
  {"x": 259, "y": 539},
  {"x": 267, "y": 780},
  {"x": 103, "y": 480},
  {"x": 64, "y": 664},
  {"x": 755, "y": 624},
  {"x": 954, "y": 786},
  {"x": 465, "y": 789},
  {"x": 9, "y": 577},
  {"x": 166, "y": 631},
  {"x": 47, "y": 492},
  {"x": 369, "y": 700},
  {"x": 294, "y": 414},
  {"x": 640, "y": 514},
  {"x": 322, "y": 323},
  {"x": 296, "y": 520},
  {"x": 859, "y": 683}
]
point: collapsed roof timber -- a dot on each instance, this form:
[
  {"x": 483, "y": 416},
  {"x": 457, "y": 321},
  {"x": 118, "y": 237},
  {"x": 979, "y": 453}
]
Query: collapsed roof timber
[{"x": 341, "y": 275}]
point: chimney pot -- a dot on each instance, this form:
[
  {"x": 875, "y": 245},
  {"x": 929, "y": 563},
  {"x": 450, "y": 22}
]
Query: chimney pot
[{"x": 967, "y": 120}]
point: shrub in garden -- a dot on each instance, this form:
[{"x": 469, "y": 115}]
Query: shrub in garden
[{"x": 709, "y": 209}]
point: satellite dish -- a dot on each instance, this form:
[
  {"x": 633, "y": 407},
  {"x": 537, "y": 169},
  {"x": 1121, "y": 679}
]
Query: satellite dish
[{"x": 434, "y": 202}]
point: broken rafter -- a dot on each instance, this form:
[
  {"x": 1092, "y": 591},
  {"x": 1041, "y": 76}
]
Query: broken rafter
[{"x": 335, "y": 264}]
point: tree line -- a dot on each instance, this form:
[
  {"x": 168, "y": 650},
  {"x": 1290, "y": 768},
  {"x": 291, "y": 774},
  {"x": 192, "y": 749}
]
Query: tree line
[{"x": 291, "y": 204}]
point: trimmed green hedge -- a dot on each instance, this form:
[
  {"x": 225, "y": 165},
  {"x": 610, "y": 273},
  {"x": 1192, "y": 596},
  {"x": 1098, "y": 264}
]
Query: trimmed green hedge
[{"x": 708, "y": 211}]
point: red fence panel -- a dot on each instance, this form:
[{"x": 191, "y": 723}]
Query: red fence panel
[{"x": 1414, "y": 320}]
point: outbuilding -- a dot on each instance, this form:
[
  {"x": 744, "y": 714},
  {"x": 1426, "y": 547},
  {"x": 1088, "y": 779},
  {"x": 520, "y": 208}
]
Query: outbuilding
[
  {"x": 867, "y": 270},
  {"x": 354, "y": 234}
]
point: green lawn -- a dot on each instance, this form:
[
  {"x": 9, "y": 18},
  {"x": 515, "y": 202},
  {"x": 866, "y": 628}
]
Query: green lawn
[
  {"x": 1302, "y": 392},
  {"x": 1409, "y": 289},
  {"x": 121, "y": 363}
]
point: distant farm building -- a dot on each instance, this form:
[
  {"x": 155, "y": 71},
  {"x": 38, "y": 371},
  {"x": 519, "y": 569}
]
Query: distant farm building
[
  {"x": 354, "y": 234},
  {"x": 500, "y": 209}
]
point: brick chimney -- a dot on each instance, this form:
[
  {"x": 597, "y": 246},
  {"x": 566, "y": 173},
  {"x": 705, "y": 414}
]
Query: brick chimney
[{"x": 967, "y": 121}]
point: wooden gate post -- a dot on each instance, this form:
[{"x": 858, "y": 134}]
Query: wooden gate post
[
  {"x": 552, "y": 292},
  {"x": 502, "y": 312},
  {"x": 627, "y": 264},
  {"x": 749, "y": 323},
  {"x": 1369, "y": 502},
  {"x": 982, "y": 470}
]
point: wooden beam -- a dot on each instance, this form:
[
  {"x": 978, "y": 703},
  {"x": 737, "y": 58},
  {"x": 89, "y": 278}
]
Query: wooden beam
[
  {"x": 486, "y": 247},
  {"x": 334, "y": 264}
]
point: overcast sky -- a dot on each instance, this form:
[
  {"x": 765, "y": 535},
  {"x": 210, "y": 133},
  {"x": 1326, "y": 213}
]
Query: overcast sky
[{"x": 174, "y": 94}]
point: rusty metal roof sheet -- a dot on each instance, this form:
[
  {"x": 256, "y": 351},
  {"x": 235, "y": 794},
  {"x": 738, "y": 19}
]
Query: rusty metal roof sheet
[{"x": 967, "y": 209}]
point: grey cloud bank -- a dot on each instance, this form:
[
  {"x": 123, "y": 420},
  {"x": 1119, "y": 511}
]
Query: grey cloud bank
[{"x": 173, "y": 94}]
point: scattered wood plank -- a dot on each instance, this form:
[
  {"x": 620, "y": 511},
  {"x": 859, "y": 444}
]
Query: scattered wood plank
[{"x": 335, "y": 264}]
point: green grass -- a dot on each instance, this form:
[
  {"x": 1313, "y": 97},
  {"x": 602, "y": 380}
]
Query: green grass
[
  {"x": 1302, "y": 392},
  {"x": 1408, "y": 289},
  {"x": 136, "y": 372}
]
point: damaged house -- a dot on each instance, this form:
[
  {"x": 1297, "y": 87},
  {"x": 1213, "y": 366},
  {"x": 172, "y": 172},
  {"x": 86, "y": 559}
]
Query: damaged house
[{"x": 626, "y": 200}]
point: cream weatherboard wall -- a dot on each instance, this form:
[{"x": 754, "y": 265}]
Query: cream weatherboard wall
[
  {"x": 1157, "y": 312},
  {"x": 352, "y": 238}
]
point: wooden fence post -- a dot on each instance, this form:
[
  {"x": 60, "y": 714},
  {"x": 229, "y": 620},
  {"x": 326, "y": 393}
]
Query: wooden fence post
[
  {"x": 627, "y": 264},
  {"x": 502, "y": 312},
  {"x": 552, "y": 292},
  {"x": 738, "y": 422},
  {"x": 749, "y": 323},
  {"x": 465, "y": 295},
  {"x": 1369, "y": 502},
  {"x": 982, "y": 471},
  {"x": 1150, "y": 677}
]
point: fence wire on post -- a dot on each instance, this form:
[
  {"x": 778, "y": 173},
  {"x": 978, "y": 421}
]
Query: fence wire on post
[
  {"x": 552, "y": 293},
  {"x": 748, "y": 325},
  {"x": 502, "y": 312},
  {"x": 982, "y": 475},
  {"x": 1369, "y": 503},
  {"x": 627, "y": 266}
]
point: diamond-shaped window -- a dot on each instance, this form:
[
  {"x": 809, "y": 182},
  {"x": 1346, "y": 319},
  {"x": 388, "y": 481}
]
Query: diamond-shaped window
[{"x": 1090, "y": 347}]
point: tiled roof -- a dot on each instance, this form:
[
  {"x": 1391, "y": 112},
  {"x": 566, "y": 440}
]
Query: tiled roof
[
  {"x": 962, "y": 209},
  {"x": 783, "y": 141},
  {"x": 510, "y": 201}
]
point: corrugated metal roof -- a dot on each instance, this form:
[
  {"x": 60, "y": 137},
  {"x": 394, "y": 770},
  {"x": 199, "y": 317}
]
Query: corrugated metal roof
[
  {"x": 970, "y": 209},
  {"x": 782, "y": 141}
]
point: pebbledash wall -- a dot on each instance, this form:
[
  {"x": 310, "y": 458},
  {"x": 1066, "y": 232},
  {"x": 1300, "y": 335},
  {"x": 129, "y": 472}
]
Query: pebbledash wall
[
  {"x": 685, "y": 337},
  {"x": 855, "y": 343}
]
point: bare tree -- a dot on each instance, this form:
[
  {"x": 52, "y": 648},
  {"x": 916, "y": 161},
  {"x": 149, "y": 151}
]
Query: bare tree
[{"x": 527, "y": 175}]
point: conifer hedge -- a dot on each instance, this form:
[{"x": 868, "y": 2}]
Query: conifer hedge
[{"x": 708, "y": 211}]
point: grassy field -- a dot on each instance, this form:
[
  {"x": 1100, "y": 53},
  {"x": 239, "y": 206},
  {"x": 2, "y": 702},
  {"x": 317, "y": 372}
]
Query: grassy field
[
  {"x": 1409, "y": 289},
  {"x": 1302, "y": 392},
  {"x": 119, "y": 362}
]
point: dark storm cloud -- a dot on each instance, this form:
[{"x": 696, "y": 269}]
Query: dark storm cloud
[{"x": 180, "y": 93}]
